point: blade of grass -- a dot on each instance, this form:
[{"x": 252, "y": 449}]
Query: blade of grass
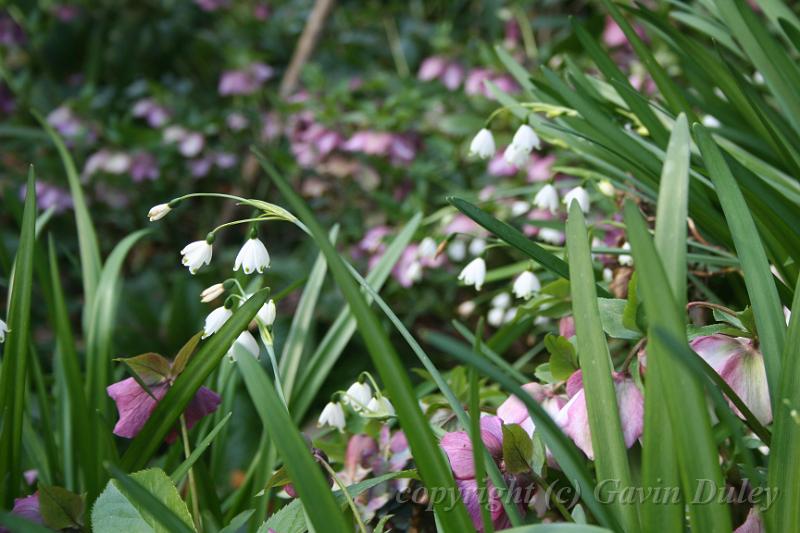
[
  {"x": 306, "y": 475},
  {"x": 184, "y": 467},
  {"x": 659, "y": 460},
  {"x": 784, "y": 461},
  {"x": 611, "y": 460},
  {"x": 298, "y": 332},
  {"x": 761, "y": 289},
  {"x": 432, "y": 465},
  {"x": 102, "y": 322},
  {"x": 84, "y": 445},
  {"x": 15, "y": 354},
  {"x": 688, "y": 413},
  {"x": 478, "y": 449},
  {"x": 343, "y": 328},
  {"x": 164, "y": 417},
  {"x": 87, "y": 239}
]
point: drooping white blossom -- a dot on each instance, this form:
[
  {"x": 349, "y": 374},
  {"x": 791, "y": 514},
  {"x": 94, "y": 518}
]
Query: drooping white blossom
[
  {"x": 215, "y": 320},
  {"x": 547, "y": 198},
  {"x": 332, "y": 415},
  {"x": 580, "y": 195},
  {"x": 252, "y": 257},
  {"x": 211, "y": 293},
  {"x": 358, "y": 395},
  {"x": 267, "y": 313},
  {"x": 474, "y": 273},
  {"x": 526, "y": 284},
  {"x": 196, "y": 254},
  {"x": 482, "y": 144}
]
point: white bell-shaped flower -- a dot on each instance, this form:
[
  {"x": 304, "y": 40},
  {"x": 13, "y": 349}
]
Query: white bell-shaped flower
[
  {"x": 547, "y": 198},
  {"x": 580, "y": 195},
  {"x": 358, "y": 395},
  {"x": 332, "y": 415},
  {"x": 248, "y": 342},
  {"x": 196, "y": 254},
  {"x": 215, "y": 320},
  {"x": 526, "y": 139},
  {"x": 252, "y": 257},
  {"x": 157, "y": 212},
  {"x": 474, "y": 273},
  {"x": 482, "y": 144},
  {"x": 526, "y": 284},
  {"x": 267, "y": 313}
]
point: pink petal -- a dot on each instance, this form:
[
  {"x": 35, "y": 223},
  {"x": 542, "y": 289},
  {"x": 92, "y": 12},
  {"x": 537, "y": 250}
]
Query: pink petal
[
  {"x": 752, "y": 524},
  {"x": 458, "y": 447},
  {"x": 134, "y": 405},
  {"x": 631, "y": 410},
  {"x": 28, "y": 508},
  {"x": 574, "y": 420}
]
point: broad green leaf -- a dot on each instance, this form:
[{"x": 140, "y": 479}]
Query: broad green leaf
[
  {"x": 60, "y": 508},
  {"x": 185, "y": 353},
  {"x": 306, "y": 474},
  {"x": 433, "y": 467},
  {"x": 144, "y": 502},
  {"x": 151, "y": 367},
  {"x": 563, "y": 358},
  {"x": 517, "y": 449},
  {"x": 611, "y": 459},
  {"x": 697, "y": 455},
  {"x": 758, "y": 279},
  {"x": 16, "y": 351},
  {"x": 166, "y": 414},
  {"x": 612, "y": 311}
]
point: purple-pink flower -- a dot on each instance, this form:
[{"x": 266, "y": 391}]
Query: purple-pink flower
[
  {"x": 135, "y": 404},
  {"x": 244, "y": 81},
  {"x": 514, "y": 411},
  {"x": 457, "y": 446},
  {"x": 574, "y": 417},
  {"x": 741, "y": 365}
]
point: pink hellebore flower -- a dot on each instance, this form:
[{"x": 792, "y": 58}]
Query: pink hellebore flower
[
  {"x": 458, "y": 447},
  {"x": 498, "y": 166},
  {"x": 452, "y": 76},
  {"x": 514, "y": 411},
  {"x": 539, "y": 168},
  {"x": 135, "y": 405},
  {"x": 574, "y": 417},
  {"x": 741, "y": 365},
  {"x": 752, "y": 524},
  {"x": 244, "y": 81},
  {"x": 613, "y": 35},
  {"x": 28, "y": 508},
  {"x": 431, "y": 68}
]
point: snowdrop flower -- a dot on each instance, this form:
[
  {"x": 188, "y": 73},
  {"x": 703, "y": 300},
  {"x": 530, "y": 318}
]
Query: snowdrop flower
[
  {"x": 212, "y": 293},
  {"x": 526, "y": 139},
  {"x": 474, "y": 273},
  {"x": 381, "y": 406},
  {"x": 358, "y": 395},
  {"x": 253, "y": 257},
  {"x": 267, "y": 313},
  {"x": 215, "y": 320},
  {"x": 482, "y": 145},
  {"x": 547, "y": 198},
  {"x": 332, "y": 415},
  {"x": 526, "y": 284},
  {"x": 246, "y": 341},
  {"x": 580, "y": 195},
  {"x": 495, "y": 316},
  {"x": 519, "y": 208},
  {"x": 3, "y": 330},
  {"x": 516, "y": 156},
  {"x": 196, "y": 254},
  {"x": 502, "y": 300},
  {"x": 457, "y": 250},
  {"x": 625, "y": 259},
  {"x": 477, "y": 246},
  {"x": 157, "y": 212},
  {"x": 427, "y": 248}
]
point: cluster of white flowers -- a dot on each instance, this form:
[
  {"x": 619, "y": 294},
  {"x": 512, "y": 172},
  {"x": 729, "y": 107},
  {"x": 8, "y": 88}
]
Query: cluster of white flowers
[
  {"x": 360, "y": 399},
  {"x": 501, "y": 311},
  {"x": 517, "y": 153}
]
